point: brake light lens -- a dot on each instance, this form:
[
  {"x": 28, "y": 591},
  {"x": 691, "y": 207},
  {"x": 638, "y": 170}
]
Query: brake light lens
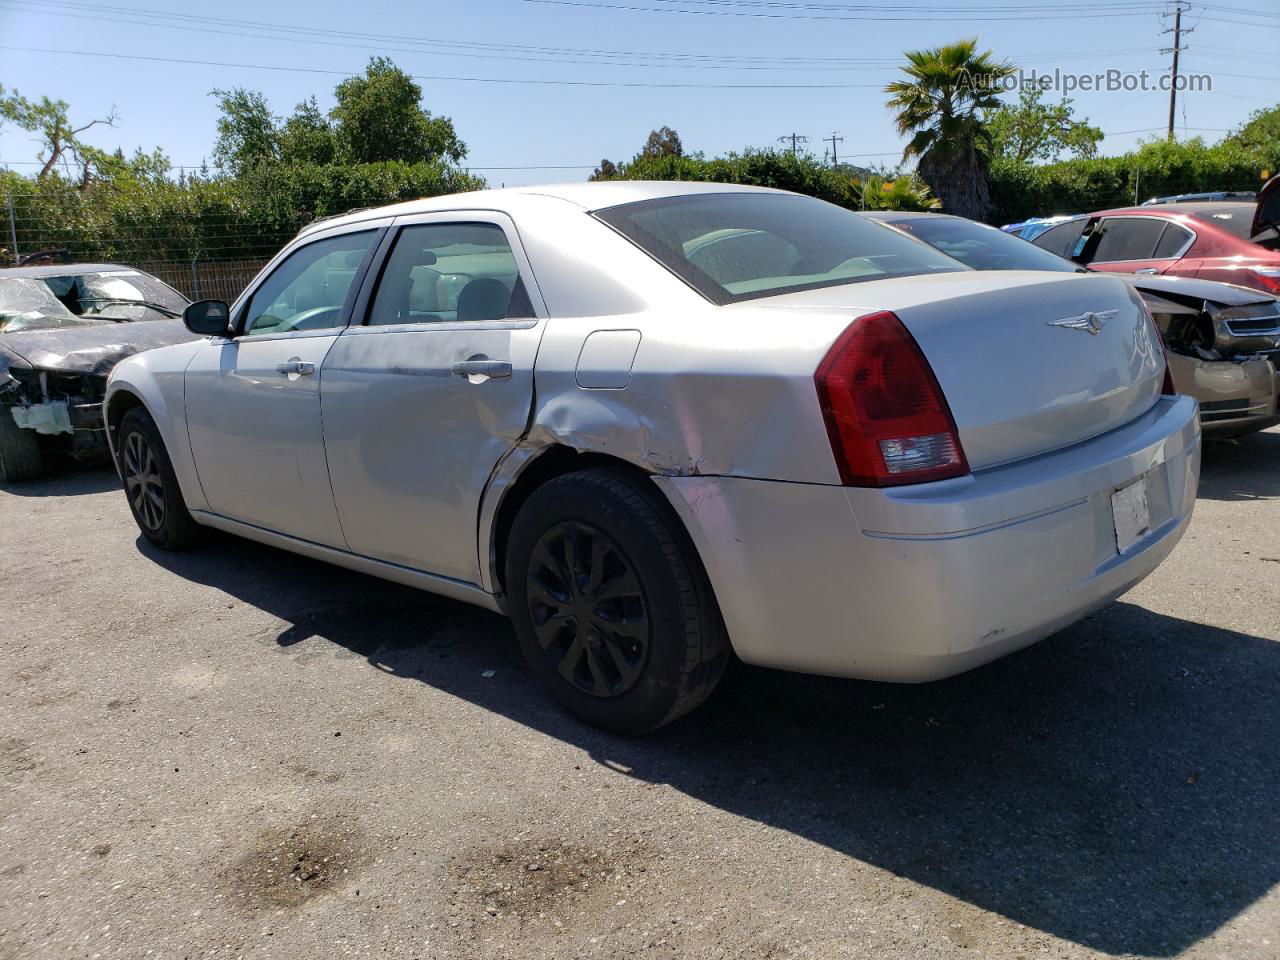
[
  {"x": 1270, "y": 277},
  {"x": 1167, "y": 388},
  {"x": 887, "y": 419}
]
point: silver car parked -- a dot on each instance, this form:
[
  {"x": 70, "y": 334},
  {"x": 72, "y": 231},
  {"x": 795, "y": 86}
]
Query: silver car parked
[{"x": 655, "y": 423}]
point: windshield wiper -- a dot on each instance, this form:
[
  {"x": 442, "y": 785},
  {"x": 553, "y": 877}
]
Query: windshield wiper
[{"x": 133, "y": 303}]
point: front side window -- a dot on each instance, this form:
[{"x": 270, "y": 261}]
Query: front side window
[
  {"x": 740, "y": 246},
  {"x": 982, "y": 247},
  {"x": 450, "y": 272},
  {"x": 308, "y": 290}
]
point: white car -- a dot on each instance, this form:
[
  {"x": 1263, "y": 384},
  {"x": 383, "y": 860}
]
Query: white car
[{"x": 657, "y": 422}]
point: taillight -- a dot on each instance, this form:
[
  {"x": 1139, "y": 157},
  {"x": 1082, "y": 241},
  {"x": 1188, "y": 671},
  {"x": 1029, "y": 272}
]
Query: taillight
[
  {"x": 1270, "y": 277},
  {"x": 886, "y": 416},
  {"x": 1166, "y": 388}
]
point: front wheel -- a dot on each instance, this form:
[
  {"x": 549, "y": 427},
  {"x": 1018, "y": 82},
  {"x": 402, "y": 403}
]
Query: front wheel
[
  {"x": 19, "y": 451},
  {"x": 611, "y": 606},
  {"x": 151, "y": 485}
]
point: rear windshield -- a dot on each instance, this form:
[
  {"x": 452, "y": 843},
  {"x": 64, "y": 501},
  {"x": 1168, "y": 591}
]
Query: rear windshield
[
  {"x": 982, "y": 247},
  {"x": 741, "y": 246},
  {"x": 1235, "y": 218}
]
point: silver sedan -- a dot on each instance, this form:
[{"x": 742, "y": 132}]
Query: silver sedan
[{"x": 657, "y": 424}]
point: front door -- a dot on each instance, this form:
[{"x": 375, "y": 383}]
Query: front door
[
  {"x": 253, "y": 402},
  {"x": 425, "y": 396}
]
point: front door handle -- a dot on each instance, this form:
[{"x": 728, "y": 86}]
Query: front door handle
[
  {"x": 296, "y": 368},
  {"x": 478, "y": 370}
]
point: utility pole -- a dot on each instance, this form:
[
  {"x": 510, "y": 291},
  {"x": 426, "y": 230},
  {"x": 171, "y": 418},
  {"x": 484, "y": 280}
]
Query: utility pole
[
  {"x": 833, "y": 140},
  {"x": 1177, "y": 48},
  {"x": 795, "y": 139}
]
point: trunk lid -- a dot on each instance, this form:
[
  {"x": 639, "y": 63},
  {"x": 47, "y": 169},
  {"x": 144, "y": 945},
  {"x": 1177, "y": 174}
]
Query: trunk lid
[{"x": 1016, "y": 352}]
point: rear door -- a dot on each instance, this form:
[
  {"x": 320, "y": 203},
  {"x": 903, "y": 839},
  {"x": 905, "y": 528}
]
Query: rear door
[
  {"x": 1135, "y": 245},
  {"x": 430, "y": 387}
]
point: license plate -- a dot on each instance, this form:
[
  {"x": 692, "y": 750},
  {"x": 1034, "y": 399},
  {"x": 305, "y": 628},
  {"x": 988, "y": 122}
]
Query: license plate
[{"x": 1130, "y": 513}]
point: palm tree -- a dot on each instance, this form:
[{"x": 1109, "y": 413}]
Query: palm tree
[{"x": 940, "y": 105}]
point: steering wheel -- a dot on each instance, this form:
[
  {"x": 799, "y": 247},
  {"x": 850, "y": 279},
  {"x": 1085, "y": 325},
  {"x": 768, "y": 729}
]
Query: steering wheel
[{"x": 316, "y": 318}]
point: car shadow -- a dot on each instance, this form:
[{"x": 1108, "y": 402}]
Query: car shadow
[
  {"x": 1246, "y": 468},
  {"x": 69, "y": 479},
  {"x": 1114, "y": 786}
]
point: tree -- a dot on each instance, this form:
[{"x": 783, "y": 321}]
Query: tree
[
  {"x": 940, "y": 106},
  {"x": 1260, "y": 132},
  {"x": 663, "y": 142},
  {"x": 902, "y": 192},
  {"x": 606, "y": 171},
  {"x": 1033, "y": 130},
  {"x": 379, "y": 117},
  {"x": 307, "y": 136},
  {"x": 247, "y": 134},
  {"x": 50, "y": 119}
]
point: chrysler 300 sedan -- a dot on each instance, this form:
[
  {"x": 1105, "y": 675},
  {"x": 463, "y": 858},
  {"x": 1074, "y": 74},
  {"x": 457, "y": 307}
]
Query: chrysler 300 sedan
[{"x": 659, "y": 424}]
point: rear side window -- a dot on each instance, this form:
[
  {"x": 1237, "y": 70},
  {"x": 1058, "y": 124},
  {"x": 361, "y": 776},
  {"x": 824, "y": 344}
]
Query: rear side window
[
  {"x": 1062, "y": 238},
  {"x": 741, "y": 246},
  {"x": 1172, "y": 241},
  {"x": 450, "y": 272},
  {"x": 1128, "y": 239}
]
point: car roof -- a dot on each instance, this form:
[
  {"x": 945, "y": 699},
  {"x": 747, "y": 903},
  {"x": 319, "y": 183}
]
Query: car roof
[
  {"x": 64, "y": 270},
  {"x": 1183, "y": 209},
  {"x": 590, "y": 196},
  {"x": 898, "y": 216}
]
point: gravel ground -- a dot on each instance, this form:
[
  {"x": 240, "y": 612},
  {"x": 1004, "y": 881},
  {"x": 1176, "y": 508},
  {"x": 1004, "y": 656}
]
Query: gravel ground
[{"x": 237, "y": 752}]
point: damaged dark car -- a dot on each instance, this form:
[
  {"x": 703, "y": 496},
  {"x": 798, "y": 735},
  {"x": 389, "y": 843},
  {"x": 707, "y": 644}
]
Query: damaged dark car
[
  {"x": 62, "y": 329},
  {"x": 1222, "y": 341}
]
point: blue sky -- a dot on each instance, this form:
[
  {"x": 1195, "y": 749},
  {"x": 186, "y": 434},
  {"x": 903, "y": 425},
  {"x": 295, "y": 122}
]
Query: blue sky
[{"x": 524, "y": 124}]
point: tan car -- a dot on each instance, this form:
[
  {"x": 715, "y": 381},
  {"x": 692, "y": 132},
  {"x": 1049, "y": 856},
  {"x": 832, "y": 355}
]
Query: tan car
[{"x": 1222, "y": 341}]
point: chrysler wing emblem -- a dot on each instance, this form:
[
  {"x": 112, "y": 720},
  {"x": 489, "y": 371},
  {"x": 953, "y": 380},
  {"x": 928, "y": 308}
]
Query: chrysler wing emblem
[{"x": 1088, "y": 322}]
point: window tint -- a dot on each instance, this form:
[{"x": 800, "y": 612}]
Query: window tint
[
  {"x": 1172, "y": 241},
  {"x": 1235, "y": 218},
  {"x": 307, "y": 291},
  {"x": 982, "y": 247},
  {"x": 1128, "y": 239},
  {"x": 444, "y": 272},
  {"x": 1062, "y": 238},
  {"x": 738, "y": 246}
]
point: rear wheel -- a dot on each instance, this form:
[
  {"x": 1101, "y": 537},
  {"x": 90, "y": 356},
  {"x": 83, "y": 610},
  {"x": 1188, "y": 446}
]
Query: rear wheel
[
  {"x": 150, "y": 484},
  {"x": 611, "y": 606},
  {"x": 19, "y": 452}
]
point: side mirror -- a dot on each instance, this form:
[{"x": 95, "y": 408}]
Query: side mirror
[{"x": 209, "y": 318}]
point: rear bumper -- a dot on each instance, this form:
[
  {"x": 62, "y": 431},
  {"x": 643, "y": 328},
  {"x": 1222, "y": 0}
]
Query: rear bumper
[{"x": 917, "y": 583}]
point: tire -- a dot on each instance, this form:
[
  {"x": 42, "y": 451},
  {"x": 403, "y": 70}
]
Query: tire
[
  {"x": 634, "y": 638},
  {"x": 151, "y": 487},
  {"x": 19, "y": 451}
]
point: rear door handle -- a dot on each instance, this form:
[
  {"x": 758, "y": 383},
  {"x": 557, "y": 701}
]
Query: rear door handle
[
  {"x": 487, "y": 369},
  {"x": 296, "y": 368},
  {"x": 1147, "y": 270}
]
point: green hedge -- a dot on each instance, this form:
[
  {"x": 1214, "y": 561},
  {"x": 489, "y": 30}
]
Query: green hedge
[
  {"x": 1158, "y": 169},
  {"x": 208, "y": 218}
]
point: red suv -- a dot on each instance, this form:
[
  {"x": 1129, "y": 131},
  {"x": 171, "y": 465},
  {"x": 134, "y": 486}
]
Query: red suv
[{"x": 1231, "y": 242}]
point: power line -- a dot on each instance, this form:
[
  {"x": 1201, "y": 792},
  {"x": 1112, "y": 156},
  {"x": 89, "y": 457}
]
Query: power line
[
  {"x": 942, "y": 14},
  {"x": 596, "y": 57}
]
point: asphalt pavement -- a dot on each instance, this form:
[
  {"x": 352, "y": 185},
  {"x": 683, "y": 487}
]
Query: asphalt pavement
[{"x": 236, "y": 752}]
